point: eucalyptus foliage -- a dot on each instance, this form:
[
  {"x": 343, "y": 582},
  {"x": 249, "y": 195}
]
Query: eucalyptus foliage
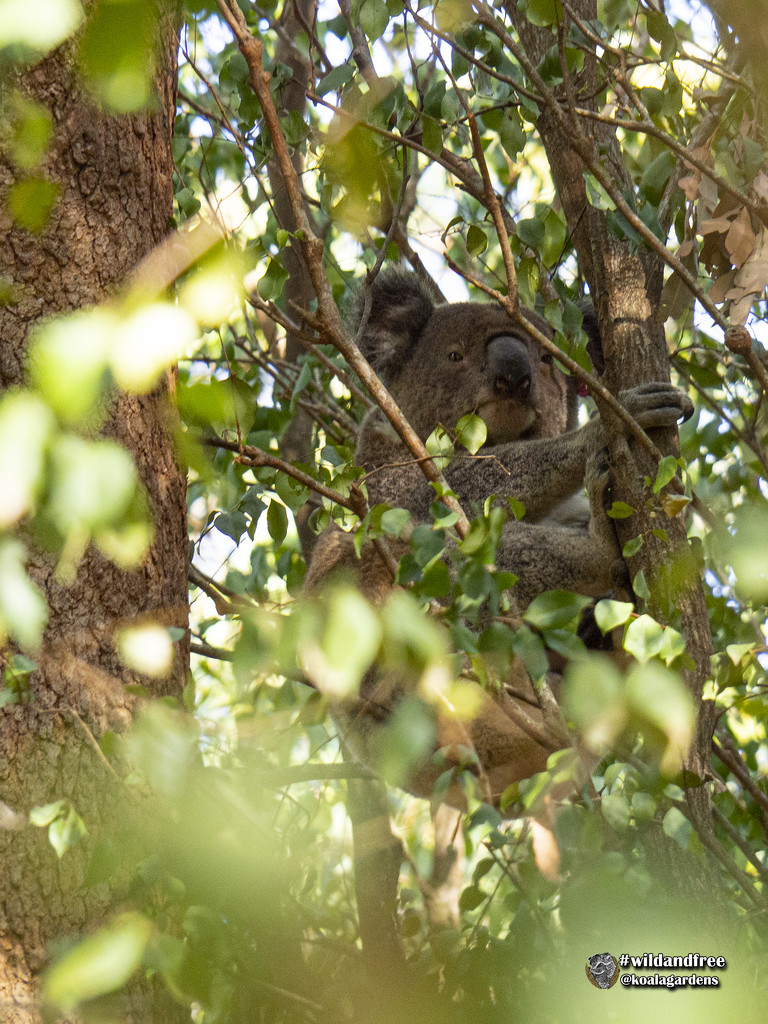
[{"x": 240, "y": 898}]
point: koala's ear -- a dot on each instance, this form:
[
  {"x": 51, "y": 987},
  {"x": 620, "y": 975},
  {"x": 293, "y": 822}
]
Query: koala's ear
[
  {"x": 594, "y": 343},
  {"x": 400, "y": 309}
]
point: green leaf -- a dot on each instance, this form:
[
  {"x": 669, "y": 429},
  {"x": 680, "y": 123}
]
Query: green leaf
[
  {"x": 610, "y": 614},
  {"x": 292, "y": 493},
  {"x": 453, "y": 15},
  {"x": 471, "y": 898},
  {"x": 593, "y": 696},
  {"x": 23, "y": 609},
  {"x": 517, "y": 508},
  {"x": 26, "y": 425},
  {"x": 660, "y": 698},
  {"x": 31, "y": 130},
  {"x": 39, "y": 24},
  {"x": 555, "y": 234},
  {"x": 544, "y": 12},
  {"x": 101, "y": 963},
  {"x": 113, "y": 53},
  {"x": 632, "y": 546},
  {"x": 431, "y": 134},
  {"x": 471, "y": 432},
  {"x": 477, "y": 240},
  {"x": 666, "y": 472},
  {"x": 660, "y": 30},
  {"x": 530, "y": 650},
  {"x": 188, "y": 202},
  {"x": 440, "y": 447},
  {"x": 656, "y": 177},
  {"x": 643, "y": 806},
  {"x": 644, "y": 638},
  {"x": 66, "y": 831},
  {"x": 620, "y": 510},
  {"x": 277, "y": 521},
  {"x": 374, "y": 18},
  {"x": 672, "y": 645},
  {"x": 44, "y": 815},
  {"x": 335, "y": 80},
  {"x": 395, "y": 520},
  {"x": 339, "y": 658},
  {"x": 677, "y": 827},
  {"x": 270, "y": 285},
  {"x": 640, "y": 586},
  {"x": 531, "y": 232},
  {"x": 94, "y": 482},
  {"x": 31, "y": 201},
  {"x": 616, "y": 811},
  {"x": 512, "y": 134},
  {"x": 736, "y": 652},
  {"x": 231, "y": 524},
  {"x": 555, "y": 609}
]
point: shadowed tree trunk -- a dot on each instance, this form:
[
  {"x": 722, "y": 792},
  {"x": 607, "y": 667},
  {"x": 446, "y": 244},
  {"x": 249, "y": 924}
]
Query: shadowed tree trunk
[
  {"x": 626, "y": 282},
  {"x": 114, "y": 204}
]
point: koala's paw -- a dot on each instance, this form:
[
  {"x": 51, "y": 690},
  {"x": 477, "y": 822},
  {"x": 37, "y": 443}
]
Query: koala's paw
[
  {"x": 598, "y": 480},
  {"x": 657, "y": 404}
]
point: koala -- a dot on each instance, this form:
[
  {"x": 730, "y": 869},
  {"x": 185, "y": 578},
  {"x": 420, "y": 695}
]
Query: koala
[{"x": 441, "y": 362}]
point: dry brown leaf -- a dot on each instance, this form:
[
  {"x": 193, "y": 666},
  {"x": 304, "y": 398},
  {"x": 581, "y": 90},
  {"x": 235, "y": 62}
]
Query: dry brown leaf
[
  {"x": 673, "y": 504},
  {"x": 750, "y": 281},
  {"x": 690, "y": 185},
  {"x": 760, "y": 185},
  {"x": 721, "y": 287},
  {"x": 708, "y": 191},
  {"x": 740, "y": 240},
  {"x": 715, "y": 224}
]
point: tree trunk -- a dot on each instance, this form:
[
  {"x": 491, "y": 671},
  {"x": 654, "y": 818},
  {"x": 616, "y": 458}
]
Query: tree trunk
[
  {"x": 626, "y": 284},
  {"x": 114, "y": 205}
]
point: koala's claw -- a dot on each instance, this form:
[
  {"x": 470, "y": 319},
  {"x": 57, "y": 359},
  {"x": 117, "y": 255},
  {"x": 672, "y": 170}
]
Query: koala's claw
[{"x": 657, "y": 404}]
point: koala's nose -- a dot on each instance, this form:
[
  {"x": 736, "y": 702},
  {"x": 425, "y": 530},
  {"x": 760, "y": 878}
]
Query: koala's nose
[{"x": 509, "y": 367}]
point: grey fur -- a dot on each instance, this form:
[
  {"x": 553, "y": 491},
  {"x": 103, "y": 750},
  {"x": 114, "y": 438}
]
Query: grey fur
[{"x": 535, "y": 453}]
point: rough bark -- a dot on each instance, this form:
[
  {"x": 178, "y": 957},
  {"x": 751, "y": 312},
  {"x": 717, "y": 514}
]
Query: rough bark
[{"x": 114, "y": 205}]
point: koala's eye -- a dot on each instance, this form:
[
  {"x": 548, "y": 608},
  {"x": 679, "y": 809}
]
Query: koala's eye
[
  {"x": 547, "y": 358},
  {"x": 455, "y": 355}
]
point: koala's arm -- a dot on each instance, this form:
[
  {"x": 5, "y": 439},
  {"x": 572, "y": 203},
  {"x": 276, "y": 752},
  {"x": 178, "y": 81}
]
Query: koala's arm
[
  {"x": 541, "y": 472},
  {"x": 546, "y": 557}
]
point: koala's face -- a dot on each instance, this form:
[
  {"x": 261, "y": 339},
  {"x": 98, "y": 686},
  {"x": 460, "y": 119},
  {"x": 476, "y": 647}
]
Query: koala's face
[
  {"x": 470, "y": 358},
  {"x": 443, "y": 362}
]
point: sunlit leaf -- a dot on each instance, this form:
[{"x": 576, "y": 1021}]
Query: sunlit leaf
[
  {"x": 610, "y": 614},
  {"x": 25, "y": 429},
  {"x": 23, "y": 610},
  {"x": 147, "y": 648},
  {"x": 351, "y": 635},
  {"x": 39, "y": 24},
  {"x": 68, "y": 362},
  {"x": 472, "y": 432},
  {"x": 116, "y": 53},
  {"x": 100, "y": 963},
  {"x": 148, "y": 341},
  {"x": 31, "y": 201},
  {"x": 555, "y": 609},
  {"x": 93, "y": 484}
]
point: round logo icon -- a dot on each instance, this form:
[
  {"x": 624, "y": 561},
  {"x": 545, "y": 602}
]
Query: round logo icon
[{"x": 602, "y": 970}]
